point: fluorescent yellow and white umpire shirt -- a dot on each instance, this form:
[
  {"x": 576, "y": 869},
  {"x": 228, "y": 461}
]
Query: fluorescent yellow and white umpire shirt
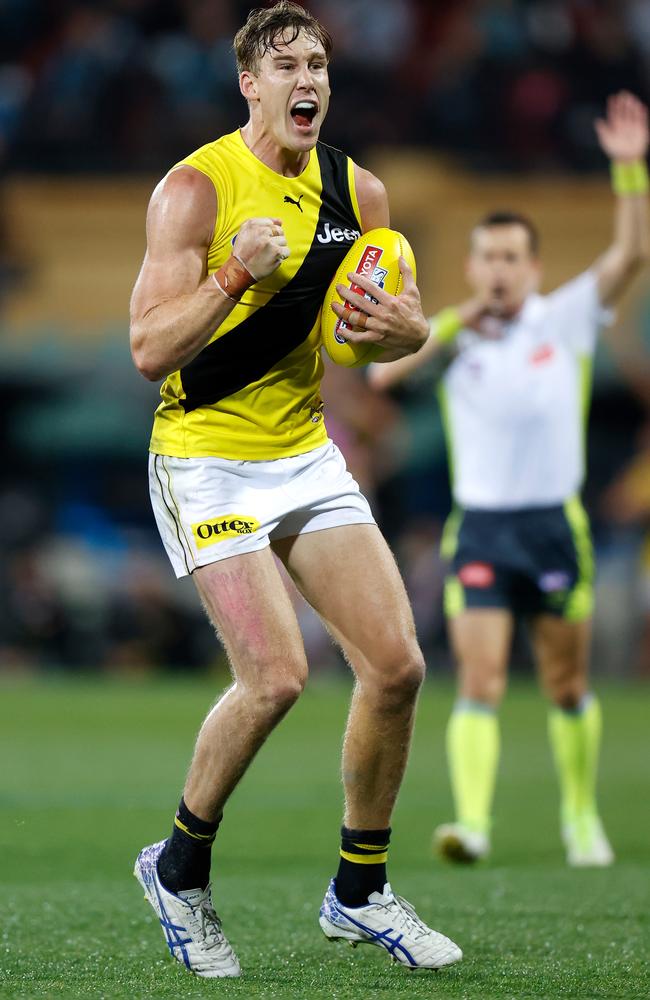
[{"x": 515, "y": 405}]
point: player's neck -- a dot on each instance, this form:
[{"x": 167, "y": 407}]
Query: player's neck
[{"x": 286, "y": 162}]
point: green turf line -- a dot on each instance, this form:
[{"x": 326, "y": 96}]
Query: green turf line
[{"x": 92, "y": 771}]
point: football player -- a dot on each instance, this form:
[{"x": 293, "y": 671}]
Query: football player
[{"x": 243, "y": 237}]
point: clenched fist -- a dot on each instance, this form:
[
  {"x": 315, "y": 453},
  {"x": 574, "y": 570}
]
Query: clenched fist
[{"x": 261, "y": 246}]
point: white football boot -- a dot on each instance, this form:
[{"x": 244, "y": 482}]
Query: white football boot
[
  {"x": 586, "y": 843},
  {"x": 191, "y": 927},
  {"x": 455, "y": 842},
  {"x": 389, "y": 922}
]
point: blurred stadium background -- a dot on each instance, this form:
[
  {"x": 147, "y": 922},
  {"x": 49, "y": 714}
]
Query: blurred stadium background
[{"x": 459, "y": 107}]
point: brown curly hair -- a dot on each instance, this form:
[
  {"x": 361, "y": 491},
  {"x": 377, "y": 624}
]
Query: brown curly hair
[{"x": 282, "y": 22}]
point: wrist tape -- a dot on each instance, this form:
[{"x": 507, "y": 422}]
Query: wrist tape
[
  {"x": 630, "y": 178},
  {"x": 233, "y": 278},
  {"x": 446, "y": 325}
]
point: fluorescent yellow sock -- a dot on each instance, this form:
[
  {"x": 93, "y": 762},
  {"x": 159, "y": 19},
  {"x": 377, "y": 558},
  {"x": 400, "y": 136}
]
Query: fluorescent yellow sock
[
  {"x": 575, "y": 741},
  {"x": 473, "y": 753}
]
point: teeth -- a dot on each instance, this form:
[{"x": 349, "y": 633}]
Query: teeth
[{"x": 306, "y": 105}]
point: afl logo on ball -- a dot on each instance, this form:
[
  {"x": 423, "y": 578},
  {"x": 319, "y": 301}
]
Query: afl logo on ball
[{"x": 476, "y": 574}]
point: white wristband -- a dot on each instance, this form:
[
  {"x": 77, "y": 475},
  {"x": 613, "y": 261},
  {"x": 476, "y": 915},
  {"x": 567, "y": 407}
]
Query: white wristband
[{"x": 223, "y": 290}]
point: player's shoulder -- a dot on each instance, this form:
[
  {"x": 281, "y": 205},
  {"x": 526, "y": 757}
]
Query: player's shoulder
[
  {"x": 368, "y": 184},
  {"x": 183, "y": 207},
  {"x": 210, "y": 164},
  {"x": 225, "y": 147},
  {"x": 372, "y": 198},
  {"x": 196, "y": 171},
  {"x": 184, "y": 185},
  {"x": 364, "y": 179}
]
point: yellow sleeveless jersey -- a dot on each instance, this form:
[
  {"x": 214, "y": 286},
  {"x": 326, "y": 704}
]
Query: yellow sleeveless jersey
[{"x": 253, "y": 391}]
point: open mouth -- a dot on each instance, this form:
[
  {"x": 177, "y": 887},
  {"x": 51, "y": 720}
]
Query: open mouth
[{"x": 304, "y": 112}]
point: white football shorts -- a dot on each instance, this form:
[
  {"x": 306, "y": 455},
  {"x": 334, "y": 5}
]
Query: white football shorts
[{"x": 208, "y": 509}]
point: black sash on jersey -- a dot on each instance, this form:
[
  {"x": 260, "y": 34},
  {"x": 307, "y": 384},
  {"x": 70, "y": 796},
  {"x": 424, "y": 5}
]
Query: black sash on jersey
[{"x": 248, "y": 351}]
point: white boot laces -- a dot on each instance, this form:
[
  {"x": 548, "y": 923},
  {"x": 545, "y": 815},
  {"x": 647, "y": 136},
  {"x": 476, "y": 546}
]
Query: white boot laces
[{"x": 412, "y": 922}]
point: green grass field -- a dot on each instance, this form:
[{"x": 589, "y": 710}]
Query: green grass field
[{"x": 91, "y": 771}]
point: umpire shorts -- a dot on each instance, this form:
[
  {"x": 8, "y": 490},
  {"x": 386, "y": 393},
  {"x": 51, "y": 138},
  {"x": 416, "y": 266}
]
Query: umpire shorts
[{"x": 538, "y": 560}]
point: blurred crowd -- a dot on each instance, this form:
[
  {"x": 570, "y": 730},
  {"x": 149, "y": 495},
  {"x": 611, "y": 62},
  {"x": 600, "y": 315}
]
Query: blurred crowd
[
  {"x": 133, "y": 85},
  {"x": 86, "y": 583},
  {"x": 507, "y": 84}
]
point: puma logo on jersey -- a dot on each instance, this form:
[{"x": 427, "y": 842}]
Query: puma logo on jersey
[
  {"x": 292, "y": 201},
  {"x": 337, "y": 235}
]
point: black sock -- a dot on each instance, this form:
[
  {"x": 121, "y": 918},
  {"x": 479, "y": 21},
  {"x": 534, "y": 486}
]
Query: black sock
[
  {"x": 362, "y": 868},
  {"x": 185, "y": 859}
]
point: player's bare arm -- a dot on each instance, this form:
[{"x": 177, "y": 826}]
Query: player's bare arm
[
  {"x": 623, "y": 137},
  {"x": 372, "y": 200},
  {"x": 396, "y": 322},
  {"x": 176, "y": 307}
]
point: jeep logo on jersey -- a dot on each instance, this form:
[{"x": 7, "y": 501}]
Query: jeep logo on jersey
[
  {"x": 337, "y": 235},
  {"x": 226, "y": 526},
  {"x": 368, "y": 267}
]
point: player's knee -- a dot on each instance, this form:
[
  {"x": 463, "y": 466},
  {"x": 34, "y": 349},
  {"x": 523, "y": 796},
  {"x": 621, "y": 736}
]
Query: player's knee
[
  {"x": 402, "y": 674},
  {"x": 282, "y": 689}
]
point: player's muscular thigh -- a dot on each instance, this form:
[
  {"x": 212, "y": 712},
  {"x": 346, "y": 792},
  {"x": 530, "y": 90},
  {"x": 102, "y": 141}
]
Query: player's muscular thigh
[
  {"x": 248, "y": 604},
  {"x": 332, "y": 568}
]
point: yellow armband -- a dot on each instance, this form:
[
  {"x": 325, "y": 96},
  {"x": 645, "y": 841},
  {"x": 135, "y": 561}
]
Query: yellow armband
[
  {"x": 446, "y": 325},
  {"x": 630, "y": 178}
]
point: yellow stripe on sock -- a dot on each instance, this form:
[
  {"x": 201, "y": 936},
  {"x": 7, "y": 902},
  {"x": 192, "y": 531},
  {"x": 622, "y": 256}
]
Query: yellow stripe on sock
[
  {"x": 365, "y": 859},
  {"x": 197, "y": 836},
  {"x": 371, "y": 847}
]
